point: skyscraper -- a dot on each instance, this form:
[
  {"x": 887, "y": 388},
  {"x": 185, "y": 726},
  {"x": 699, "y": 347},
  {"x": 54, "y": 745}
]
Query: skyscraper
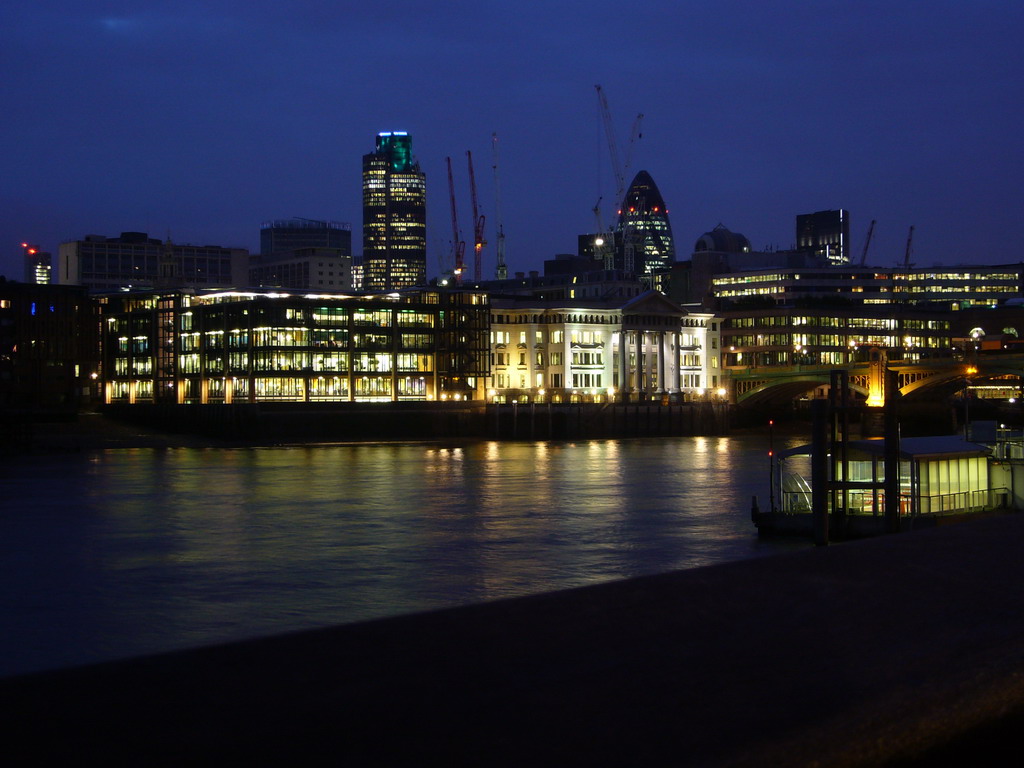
[
  {"x": 394, "y": 215},
  {"x": 647, "y": 234},
  {"x": 825, "y": 233},
  {"x": 38, "y": 264}
]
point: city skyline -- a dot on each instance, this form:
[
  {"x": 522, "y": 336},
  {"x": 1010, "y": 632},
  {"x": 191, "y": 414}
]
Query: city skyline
[{"x": 163, "y": 120}]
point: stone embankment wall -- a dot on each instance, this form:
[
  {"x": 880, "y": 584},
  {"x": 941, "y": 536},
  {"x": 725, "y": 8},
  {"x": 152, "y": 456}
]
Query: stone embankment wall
[{"x": 299, "y": 422}]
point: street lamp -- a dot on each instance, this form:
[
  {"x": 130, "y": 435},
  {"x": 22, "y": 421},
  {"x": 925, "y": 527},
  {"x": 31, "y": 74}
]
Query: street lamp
[{"x": 970, "y": 371}]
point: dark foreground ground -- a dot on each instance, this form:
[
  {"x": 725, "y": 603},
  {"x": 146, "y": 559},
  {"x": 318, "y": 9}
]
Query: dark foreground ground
[{"x": 906, "y": 649}]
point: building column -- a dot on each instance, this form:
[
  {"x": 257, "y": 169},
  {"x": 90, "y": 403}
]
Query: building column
[
  {"x": 677, "y": 376},
  {"x": 567, "y": 358},
  {"x": 622, "y": 362},
  {"x": 661, "y": 362},
  {"x": 531, "y": 358},
  {"x": 638, "y": 371},
  {"x": 607, "y": 359}
]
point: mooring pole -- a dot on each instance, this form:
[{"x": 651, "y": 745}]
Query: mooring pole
[
  {"x": 892, "y": 453},
  {"x": 819, "y": 471},
  {"x": 771, "y": 465}
]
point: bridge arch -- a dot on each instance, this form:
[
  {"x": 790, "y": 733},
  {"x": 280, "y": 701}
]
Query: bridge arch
[
  {"x": 778, "y": 390},
  {"x": 755, "y": 387}
]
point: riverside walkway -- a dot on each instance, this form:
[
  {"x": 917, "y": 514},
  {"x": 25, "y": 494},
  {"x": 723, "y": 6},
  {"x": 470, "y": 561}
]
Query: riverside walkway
[{"x": 906, "y": 649}]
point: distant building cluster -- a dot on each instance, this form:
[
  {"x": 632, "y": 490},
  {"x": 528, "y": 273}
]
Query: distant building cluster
[{"x": 622, "y": 319}]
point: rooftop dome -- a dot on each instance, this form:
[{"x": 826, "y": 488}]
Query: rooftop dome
[{"x": 722, "y": 240}]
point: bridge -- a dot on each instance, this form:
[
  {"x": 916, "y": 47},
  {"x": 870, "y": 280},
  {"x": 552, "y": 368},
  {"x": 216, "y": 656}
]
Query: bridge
[{"x": 928, "y": 378}]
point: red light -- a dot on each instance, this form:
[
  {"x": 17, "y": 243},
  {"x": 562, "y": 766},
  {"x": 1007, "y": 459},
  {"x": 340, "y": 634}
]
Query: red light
[
  {"x": 771, "y": 453},
  {"x": 31, "y": 251},
  {"x": 771, "y": 422},
  {"x": 24, "y": 245}
]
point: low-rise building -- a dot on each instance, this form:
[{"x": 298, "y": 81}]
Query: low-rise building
[
  {"x": 48, "y": 347},
  {"x": 638, "y": 348},
  {"x": 947, "y": 287},
  {"x": 137, "y": 261},
  {"x": 818, "y": 334},
  {"x": 230, "y": 347},
  {"x": 318, "y": 269}
]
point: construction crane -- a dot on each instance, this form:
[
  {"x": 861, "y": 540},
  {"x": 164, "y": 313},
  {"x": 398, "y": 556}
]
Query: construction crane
[
  {"x": 607, "y": 250},
  {"x": 906, "y": 255},
  {"x": 603, "y": 250},
  {"x": 867, "y": 242},
  {"x": 620, "y": 171},
  {"x": 458, "y": 244},
  {"x": 478, "y": 225},
  {"x": 501, "y": 270}
]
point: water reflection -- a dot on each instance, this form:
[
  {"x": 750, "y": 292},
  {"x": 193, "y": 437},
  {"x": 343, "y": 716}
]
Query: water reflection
[{"x": 134, "y": 551}]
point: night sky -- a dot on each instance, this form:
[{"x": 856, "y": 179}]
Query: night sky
[{"x": 202, "y": 119}]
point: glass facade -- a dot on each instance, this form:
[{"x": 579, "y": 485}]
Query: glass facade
[
  {"x": 647, "y": 244},
  {"x": 954, "y": 287},
  {"x": 790, "y": 336},
  {"x": 394, "y": 216},
  {"x": 825, "y": 233},
  {"x": 252, "y": 347}
]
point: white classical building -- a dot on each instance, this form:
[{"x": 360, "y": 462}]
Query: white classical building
[{"x": 641, "y": 348}]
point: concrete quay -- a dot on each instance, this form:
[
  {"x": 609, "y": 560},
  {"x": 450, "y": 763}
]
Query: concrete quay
[{"x": 904, "y": 650}]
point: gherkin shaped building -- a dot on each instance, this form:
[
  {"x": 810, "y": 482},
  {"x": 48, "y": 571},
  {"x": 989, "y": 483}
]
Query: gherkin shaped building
[{"x": 646, "y": 232}]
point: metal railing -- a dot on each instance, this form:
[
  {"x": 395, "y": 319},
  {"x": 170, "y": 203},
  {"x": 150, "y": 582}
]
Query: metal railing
[{"x": 866, "y": 502}]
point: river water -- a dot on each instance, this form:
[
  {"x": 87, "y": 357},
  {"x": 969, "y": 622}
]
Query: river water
[{"x": 118, "y": 553}]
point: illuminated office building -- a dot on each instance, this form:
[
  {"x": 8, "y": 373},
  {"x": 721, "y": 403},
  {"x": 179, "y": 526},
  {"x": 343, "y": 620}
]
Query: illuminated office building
[
  {"x": 825, "y": 233},
  {"x": 831, "y": 335},
  {"x": 37, "y": 264},
  {"x": 953, "y": 287},
  {"x": 394, "y": 215},
  {"x": 252, "y": 347},
  {"x": 647, "y": 244}
]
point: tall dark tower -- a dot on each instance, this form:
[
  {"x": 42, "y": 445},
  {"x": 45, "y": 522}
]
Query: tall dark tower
[
  {"x": 825, "y": 233},
  {"x": 646, "y": 233},
  {"x": 394, "y": 215},
  {"x": 38, "y": 264}
]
